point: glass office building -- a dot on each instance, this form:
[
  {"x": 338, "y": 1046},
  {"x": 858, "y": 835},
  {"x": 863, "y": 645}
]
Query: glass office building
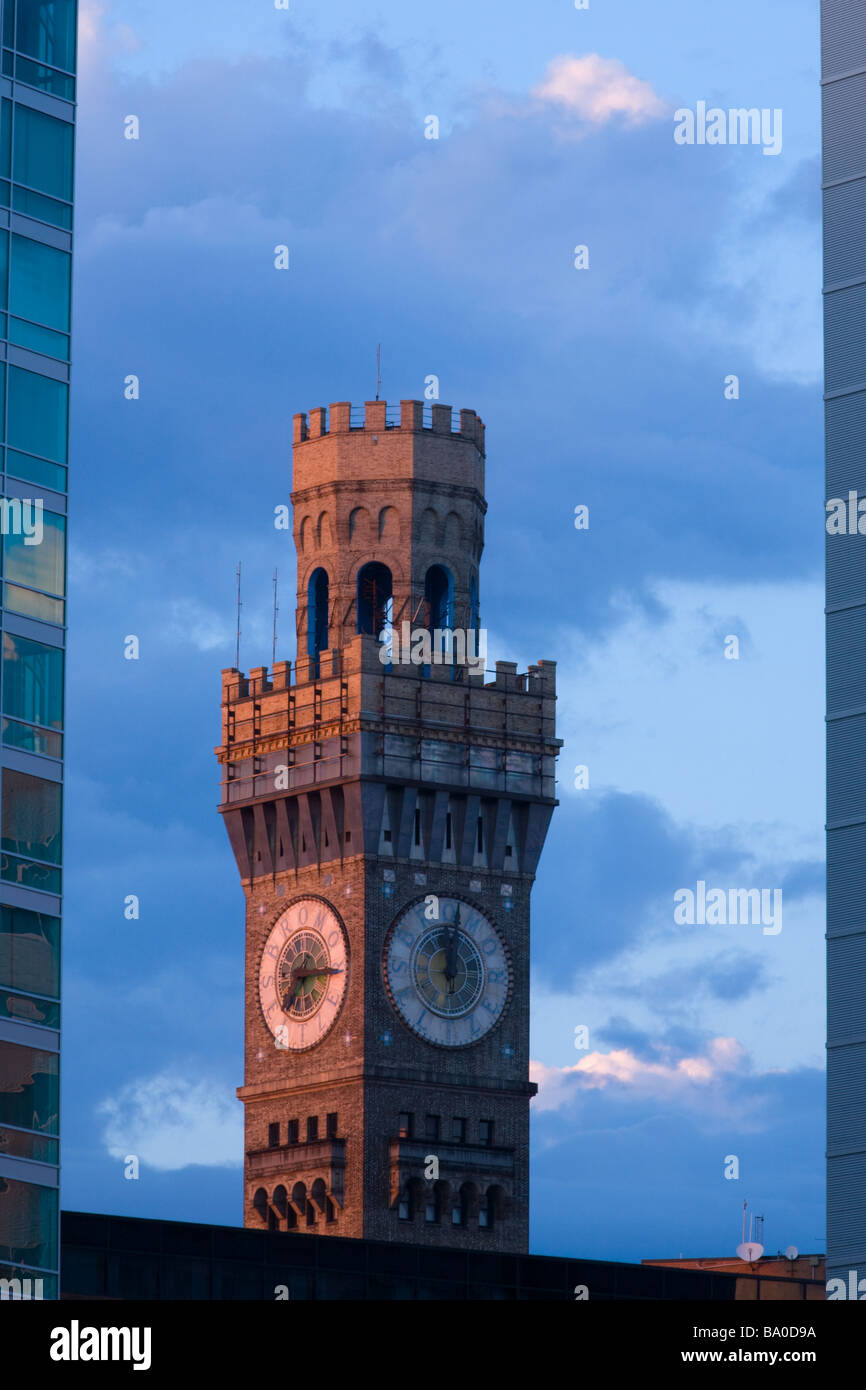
[
  {"x": 844, "y": 181},
  {"x": 37, "y": 126}
]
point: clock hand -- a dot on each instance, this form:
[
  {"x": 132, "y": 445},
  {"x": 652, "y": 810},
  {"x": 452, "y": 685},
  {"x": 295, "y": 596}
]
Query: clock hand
[
  {"x": 319, "y": 970},
  {"x": 451, "y": 952}
]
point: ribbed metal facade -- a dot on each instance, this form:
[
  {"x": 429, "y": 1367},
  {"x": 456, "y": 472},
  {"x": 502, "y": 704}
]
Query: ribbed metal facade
[{"x": 843, "y": 38}]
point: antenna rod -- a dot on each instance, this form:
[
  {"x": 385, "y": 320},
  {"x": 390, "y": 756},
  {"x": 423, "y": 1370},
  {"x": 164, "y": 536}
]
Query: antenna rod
[
  {"x": 276, "y": 611},
  {"x": 238, "y": 640},
  {"x": 378, "y": 369},
  {"x": 744, "y": 1223}
]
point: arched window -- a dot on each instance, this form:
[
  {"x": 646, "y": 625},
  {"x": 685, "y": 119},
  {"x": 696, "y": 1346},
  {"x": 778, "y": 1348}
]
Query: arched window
[
  {"x": 439, "y": 602},
  {"x": 375, "y": 598},
  {"x": 317, "y": 612},
  {"x": 474, "y": 617},
  {"x": 260, "y": 1203},
  {"x": 439, "y": 594}
]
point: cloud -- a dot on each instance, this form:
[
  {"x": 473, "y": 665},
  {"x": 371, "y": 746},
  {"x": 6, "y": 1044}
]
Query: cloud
[
  {"x": 598, "y": 89},
  {"x": 192, "y": 623},
  {"x": 170, "y": 1123},
  {"x": 669, "y": 1079}
]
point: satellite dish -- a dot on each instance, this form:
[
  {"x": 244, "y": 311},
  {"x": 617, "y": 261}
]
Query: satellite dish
[
  {"x": 791, "y": 1253},
  {"x": 750, "y": 1251}
]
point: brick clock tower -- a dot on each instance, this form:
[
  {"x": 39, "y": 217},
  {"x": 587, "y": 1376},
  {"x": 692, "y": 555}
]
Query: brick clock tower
[{"x": 387, "y": 810}]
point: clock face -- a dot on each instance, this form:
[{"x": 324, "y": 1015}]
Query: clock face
[
  {"x": 303, "y": 974},
  {"x": 447, "y": 971}
]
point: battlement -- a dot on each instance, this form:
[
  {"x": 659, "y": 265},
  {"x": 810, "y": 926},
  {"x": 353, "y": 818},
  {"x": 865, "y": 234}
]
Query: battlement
[
  {"x": 346, "y": 715},
  {"x": 375, "y": 417},
  {"x": 362, "y": 655}
]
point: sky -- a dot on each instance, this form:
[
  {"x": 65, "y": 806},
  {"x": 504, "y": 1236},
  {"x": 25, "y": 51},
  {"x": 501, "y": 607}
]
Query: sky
[{"x": 602, "y": 387}]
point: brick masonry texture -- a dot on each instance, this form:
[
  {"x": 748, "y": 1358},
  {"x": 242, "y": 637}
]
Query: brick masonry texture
[{"x": 342, "y": 830}]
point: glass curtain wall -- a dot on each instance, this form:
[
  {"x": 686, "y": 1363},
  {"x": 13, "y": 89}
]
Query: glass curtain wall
[{"x": 37, "y": 132}]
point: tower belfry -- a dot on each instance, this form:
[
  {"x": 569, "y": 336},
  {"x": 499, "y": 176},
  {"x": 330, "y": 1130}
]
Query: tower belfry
[{"x": 387, "y": 800}]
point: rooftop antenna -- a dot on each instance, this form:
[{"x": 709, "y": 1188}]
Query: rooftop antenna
[
  {"x": 750, "y": 1250},
  {"x": 378, "y": 369},
  {"x": 276, "y": 611},
  {"x": 238, "y": 639}
]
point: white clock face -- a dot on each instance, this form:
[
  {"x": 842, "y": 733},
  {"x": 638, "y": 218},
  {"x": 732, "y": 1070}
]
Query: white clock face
[
  {"x": 303, "y": 974},
  {"x": 447, "y": 971}
]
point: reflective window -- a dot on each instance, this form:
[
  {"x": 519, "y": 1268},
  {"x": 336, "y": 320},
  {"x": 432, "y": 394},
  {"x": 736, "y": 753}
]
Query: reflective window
[
  {"x": 42, "y": 152},
  {"x": 30, "y": 816},
  {"x": 32, "y": 681},
  {"x": 30, "y": 951},
  {"x": 41, "y": 566},
  {"x": 6, "y": 139},
  {"x": 28, "y": 1223},
  {"x": 18, "y": 1143},
  {"x": 37, "y": 414},
  {"x": 30, "y": 1098},
  {"x": 4, "y": 268},
  {"x": 22, "y": 1009},
  {"x": 39, "y": 287},
  {"x": 45, "y": 29},
  {"x": 31, "y": 739}
]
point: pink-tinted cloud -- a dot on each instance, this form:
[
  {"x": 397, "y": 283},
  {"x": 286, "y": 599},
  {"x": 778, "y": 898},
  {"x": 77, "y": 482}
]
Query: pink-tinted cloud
[
  {"x": 684, "y": 1079},
  {"x": 598, "y": 89}
]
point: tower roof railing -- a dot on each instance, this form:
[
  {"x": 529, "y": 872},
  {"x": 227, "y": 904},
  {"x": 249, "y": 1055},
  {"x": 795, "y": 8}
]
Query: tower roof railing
[
  {"x": 341, "y": 416},
  {"x": 358, "y": 417}
]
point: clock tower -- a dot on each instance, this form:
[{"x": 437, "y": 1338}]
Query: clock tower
[{"x": 387, "y": 800}]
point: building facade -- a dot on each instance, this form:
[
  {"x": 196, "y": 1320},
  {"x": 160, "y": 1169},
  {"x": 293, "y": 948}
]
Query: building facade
[
  {"x": 118, "y": 1257},
  {"x": 37, "y": 124},
  {"x": 844, "y": 182},
  {"x": 387, "y": 802}
]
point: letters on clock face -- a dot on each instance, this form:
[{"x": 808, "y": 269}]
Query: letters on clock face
[
  {"x": 447, "y": 971},
  {"x": 303, "y": 974}
]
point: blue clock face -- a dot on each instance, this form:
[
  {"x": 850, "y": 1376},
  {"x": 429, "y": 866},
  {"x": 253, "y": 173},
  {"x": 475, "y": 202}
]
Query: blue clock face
[{"x": 447, "y": 971}]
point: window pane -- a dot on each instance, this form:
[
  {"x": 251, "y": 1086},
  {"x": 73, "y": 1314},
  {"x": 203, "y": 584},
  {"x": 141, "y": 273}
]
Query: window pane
[
  {"x": 41, "y": 566},
  {"x": 39, "y": 287},
  {"x": 4, "y": 268},
  {"x": 15, "y": 1144},
  {"x": 42, "y": 208},
  {"x": 43, "y": 152},
  {"x": 31, "y": 739},
  {"x": 38, "y": 339},
  {"x": 37, "y": 416},
  {"x": 30, "y": 816},
  {"x": 30, "y": 1097},
  {"x": 50, "y": 475},
  {"x": 46, "y": 30},
  {"x": 5, "y": 139},
  {"x": 46, "y": 79},
  {"x": 30, "y": 951},
  {"x": 25, "y": 1010},
  {"x": 47, "y": 610},
  {"x": 28, "y": 1223},
  {"x": 32, "y": 680},
  {"x": 27, "y": 874}
]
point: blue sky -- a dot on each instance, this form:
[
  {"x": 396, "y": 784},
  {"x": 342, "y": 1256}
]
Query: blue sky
[{"x": 603, "y": 387}]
